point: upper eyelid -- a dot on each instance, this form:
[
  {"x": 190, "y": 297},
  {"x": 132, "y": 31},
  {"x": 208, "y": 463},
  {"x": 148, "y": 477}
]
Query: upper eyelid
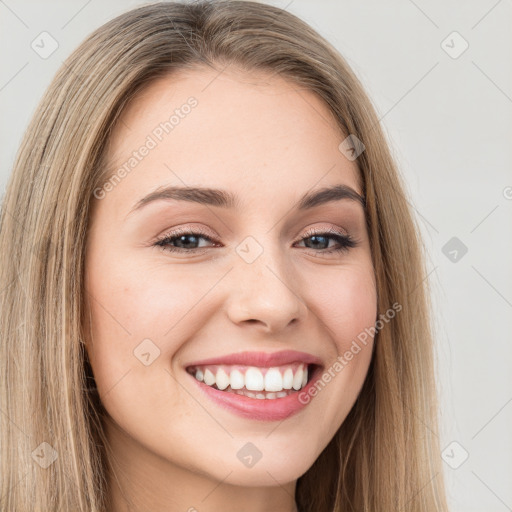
[{"x": 185, "y": 231}]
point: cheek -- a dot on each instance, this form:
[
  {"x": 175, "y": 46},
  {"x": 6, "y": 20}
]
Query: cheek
[
  {"x": 139, "y": 317},
  {"x": 130, "y": 303},
  {"x": 346, "y": 302}
]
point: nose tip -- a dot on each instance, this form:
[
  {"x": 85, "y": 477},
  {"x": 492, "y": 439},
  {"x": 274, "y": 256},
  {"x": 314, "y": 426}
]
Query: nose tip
[{"x": 265, "y": 295}]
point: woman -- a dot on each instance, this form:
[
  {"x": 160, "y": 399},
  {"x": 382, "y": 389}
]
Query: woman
[{"x": 287, "y": 363}]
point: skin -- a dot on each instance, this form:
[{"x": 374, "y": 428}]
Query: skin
[{"x": 260, "y": 137}]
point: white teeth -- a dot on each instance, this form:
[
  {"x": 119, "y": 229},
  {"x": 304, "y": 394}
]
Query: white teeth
[
  {"x": 222, "y": 379},
  {"x": 260, "y": 396},
  {"x": 237, "y": 379},
  {"x": 273, "y": 380},
  {"x": 209, "y": 378},
  {"x": 288, "y": 379},
  {"x": 297, "y": 379},
  {"x": 274, "y": 383},
  {"x": 254, "y": 379}
]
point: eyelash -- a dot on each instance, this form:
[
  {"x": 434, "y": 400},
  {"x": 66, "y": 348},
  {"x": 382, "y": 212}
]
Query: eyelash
[{"x": 345, "y": 242}]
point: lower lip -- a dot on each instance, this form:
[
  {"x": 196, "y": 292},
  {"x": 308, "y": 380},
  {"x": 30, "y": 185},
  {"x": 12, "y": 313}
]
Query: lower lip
[{"x": 264, "y": 409}]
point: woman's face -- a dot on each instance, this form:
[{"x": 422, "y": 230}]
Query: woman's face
[{"x": 247, "y": 299}]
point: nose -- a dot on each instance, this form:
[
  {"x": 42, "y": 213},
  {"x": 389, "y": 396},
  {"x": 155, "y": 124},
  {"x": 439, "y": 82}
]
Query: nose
[{"x": 262, "y": 293}]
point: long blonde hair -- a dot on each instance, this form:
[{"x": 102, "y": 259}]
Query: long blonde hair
[{"x": 385, "y": 457}]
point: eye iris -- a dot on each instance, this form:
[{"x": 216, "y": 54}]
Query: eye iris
[
  {"x": 315, "y": 238},
  {"x": 184, "y": 237}
]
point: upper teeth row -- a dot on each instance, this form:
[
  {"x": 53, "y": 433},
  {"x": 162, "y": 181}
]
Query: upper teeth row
[{"x": 253, "y": 378}]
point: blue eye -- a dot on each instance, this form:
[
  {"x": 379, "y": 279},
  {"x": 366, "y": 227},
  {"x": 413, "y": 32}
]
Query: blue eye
[
  {"x": 181, "y": 237},
  {"x": 185, "y": 241},
  {"x": 345, "y": 242}
]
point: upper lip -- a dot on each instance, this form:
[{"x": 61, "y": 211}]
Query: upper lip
[{"x": 261, "y": 359}]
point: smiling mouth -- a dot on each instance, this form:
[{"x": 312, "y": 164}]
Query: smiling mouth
[{"x": 253, "y": 381}]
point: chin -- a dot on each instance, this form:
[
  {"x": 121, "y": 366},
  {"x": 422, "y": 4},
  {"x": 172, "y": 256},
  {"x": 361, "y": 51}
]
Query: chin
[{"x": 274, "y": 467}]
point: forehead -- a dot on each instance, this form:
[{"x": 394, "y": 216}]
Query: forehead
[{"x": 246, "y": 132}]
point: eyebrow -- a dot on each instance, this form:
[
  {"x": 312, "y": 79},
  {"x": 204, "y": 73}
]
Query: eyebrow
[{"x": 224, "y": 199}]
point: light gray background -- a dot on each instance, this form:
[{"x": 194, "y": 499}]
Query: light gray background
[{"x": 449, "y": 123}]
